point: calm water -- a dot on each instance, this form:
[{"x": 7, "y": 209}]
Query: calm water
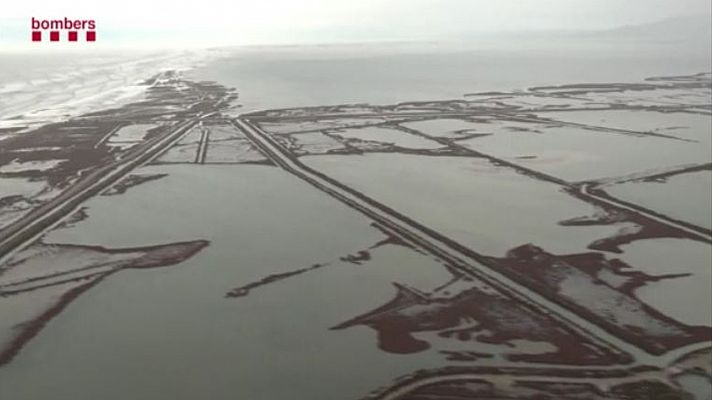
[
  {"x": 299, "y": 76},
  {"x": 492, "y": 209},
  {"x": 171, "y": 334}
]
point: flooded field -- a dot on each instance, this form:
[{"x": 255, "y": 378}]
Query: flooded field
[
  {"x": 185, "y": 318},
  {"x": 457, "y": 196},
  {"x": 663, "y": 194},
  {"x": 215, "y": 240}
]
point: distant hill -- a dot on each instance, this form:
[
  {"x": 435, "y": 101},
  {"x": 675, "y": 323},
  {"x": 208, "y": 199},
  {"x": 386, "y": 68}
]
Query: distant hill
[
  {"x": 695, "y": 28},
  {"x": 691, "y": 32}
]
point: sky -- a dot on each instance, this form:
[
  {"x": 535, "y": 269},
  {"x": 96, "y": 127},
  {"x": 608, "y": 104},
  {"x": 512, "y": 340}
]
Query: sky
[{"x": 239, "y": 22}]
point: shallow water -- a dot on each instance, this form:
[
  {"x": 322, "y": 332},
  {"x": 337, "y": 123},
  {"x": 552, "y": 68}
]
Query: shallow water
[
  {"x": 171, "y": 333},
  {"x": 389, "y": 136},
  {"x": 685, "y": 197},
  {"x": 490, "y": 209},
  {"x": 687, "y": 298},
  {"x": 578, "y": 154}
]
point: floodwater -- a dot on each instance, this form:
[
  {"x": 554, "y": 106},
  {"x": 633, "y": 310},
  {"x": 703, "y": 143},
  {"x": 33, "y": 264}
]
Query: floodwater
[
  {"x": 578, "y": 154},
  {"x": 665, "y": 197},
  {"x": 685, "y": 297},
  {"x": 171, "y": 333},
  {"x": 460, "y": 197},
  {"x": 389, "y": 136}
]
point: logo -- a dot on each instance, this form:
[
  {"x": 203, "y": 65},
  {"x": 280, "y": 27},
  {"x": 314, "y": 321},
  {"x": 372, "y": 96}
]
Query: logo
[{"x": 63, "y": 30}]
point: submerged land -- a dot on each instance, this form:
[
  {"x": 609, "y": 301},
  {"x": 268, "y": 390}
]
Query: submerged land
[{"x": 552, "y": 242}]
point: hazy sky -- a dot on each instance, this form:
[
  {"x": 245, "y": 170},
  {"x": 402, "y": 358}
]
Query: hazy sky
[{"x": 277, "y": 21}]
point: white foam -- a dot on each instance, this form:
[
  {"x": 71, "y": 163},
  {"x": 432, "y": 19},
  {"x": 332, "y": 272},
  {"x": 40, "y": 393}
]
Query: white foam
[{"x": 34, "y": 92}]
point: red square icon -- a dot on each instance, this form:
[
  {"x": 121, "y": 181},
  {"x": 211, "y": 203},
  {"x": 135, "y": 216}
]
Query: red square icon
[
  {"x": 72, "y": 35},
  {"x": 91, "y": 36},
  {"x": 54, "y": 36},
  {"x": 36, "y": 36}
]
